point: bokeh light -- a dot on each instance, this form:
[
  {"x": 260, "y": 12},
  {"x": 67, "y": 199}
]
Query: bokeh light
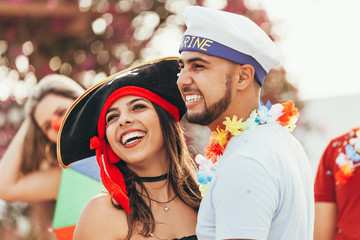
[
  {"x": 118, "y": 49},
  {"x": 84, "y": 5},
  {"x": 127, "y": 57},
  {"x": 216, "y": 4},
  {"x": 5, "y": 88},
  {"x": 65, "y": 69},
  {"x": 90, "y": 78},
  {"x": 99, "y": 77},
  {"x": 27, "y": 48},
  {"x": 108, "y": 17},
  {"x": 3, "y": 47},
  {"x": 178, "y": 6},
  {"x": 22, "y": 63},
  {"x": 87, "y": 78},
  {"x": 103, "y": 57},
  {"x": 123, "y": 6},
  {"x": 102, "y": 6},
  {"x": 99, "y": 26},
  {"x": 145, "y": 24},
  {"x": 4, "y": 71},
  {"x": 30, "y": 80},
  {"x": 55, "y": 63},
  {"x": 79, "y": 56},
  {"x": 21, "y": 91},
  {"x": 96, "y": 47}
]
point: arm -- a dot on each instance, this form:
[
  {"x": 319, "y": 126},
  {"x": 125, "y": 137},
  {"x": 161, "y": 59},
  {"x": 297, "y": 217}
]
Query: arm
[
  {"x": 325, "y": 221},
  {"x": 325, "y": 196},
  {"x": 35, "y": 186}
]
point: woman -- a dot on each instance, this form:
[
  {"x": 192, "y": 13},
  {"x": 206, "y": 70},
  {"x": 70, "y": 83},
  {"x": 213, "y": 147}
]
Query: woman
[
  {"x": 29, "y": 169},
  {"x": 131, "y": 121}
]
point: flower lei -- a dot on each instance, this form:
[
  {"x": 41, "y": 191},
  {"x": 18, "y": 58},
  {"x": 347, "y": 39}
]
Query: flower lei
[
  {"x": 285, "y": 114},
  {"x": 349, "y": 161}
]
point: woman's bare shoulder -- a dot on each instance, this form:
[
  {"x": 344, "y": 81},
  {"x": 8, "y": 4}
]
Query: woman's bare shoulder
[{"x": 101, "y": 220}]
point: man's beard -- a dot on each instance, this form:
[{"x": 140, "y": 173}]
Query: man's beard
[{"x": 210, "y": 114}]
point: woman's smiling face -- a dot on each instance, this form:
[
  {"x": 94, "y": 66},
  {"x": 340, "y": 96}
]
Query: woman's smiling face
[{"x": 133, "y": 130}]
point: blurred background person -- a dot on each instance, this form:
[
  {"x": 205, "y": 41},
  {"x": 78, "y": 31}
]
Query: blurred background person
[
  {"x": 29, "y": 169},
  {"x": 337, "y": 198}
]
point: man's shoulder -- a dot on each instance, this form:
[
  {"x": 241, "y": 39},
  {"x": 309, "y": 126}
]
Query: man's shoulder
[
  {"x": 264, "y": 143},
  {"x": 264, "y": 133}
]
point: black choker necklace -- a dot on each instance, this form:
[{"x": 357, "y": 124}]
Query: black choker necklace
[{"x": 153, "y": 179}]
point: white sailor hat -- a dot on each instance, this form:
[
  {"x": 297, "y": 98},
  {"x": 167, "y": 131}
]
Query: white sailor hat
[{"x": 229, "y": 36}]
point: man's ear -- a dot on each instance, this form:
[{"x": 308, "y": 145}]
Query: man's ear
[{"x": 245, "y": 76}]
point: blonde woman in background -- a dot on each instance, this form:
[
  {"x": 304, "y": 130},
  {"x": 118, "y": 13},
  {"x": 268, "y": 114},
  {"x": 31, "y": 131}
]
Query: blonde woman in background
[{"x": 29, "y": 169}]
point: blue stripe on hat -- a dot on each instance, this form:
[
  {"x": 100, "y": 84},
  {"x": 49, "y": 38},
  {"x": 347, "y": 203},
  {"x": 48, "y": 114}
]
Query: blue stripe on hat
[{"x": 213, "y": 48}]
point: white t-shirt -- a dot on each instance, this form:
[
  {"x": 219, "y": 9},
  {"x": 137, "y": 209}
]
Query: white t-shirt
[{"x": 262, "y": 189}]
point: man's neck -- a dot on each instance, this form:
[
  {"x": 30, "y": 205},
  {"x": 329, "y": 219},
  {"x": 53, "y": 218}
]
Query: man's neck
[{"x": 241, "y": 109}]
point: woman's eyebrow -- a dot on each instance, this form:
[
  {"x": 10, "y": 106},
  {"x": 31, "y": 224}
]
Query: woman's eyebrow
[
  {"x": 110, "y": 110},
  {"x": 128, "y": 104},
  {"x": 135, "y": 100}
]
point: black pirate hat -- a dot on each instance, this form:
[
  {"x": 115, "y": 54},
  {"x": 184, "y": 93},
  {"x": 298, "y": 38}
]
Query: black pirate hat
[{"x": 84, "y": 123}]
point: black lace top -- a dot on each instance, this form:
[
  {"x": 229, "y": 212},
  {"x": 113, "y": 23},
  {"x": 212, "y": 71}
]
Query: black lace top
[{"x": 193, "y": 237}]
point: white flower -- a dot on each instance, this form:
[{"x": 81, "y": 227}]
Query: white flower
[{"x": 341, "y": 160}]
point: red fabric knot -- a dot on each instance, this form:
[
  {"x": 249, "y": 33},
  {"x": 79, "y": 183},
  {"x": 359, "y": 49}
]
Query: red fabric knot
[{"x": 97, "y": 143}]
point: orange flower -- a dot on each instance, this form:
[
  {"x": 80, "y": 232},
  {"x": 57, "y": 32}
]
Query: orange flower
[
  {"x": 344, "y": 174},
  {"x": 220, "y": 136},
  {"x": 213, "y": 151},
  {"x": 289, "y": 112}
]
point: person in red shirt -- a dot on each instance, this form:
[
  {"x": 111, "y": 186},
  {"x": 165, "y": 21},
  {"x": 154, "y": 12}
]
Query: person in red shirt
[{"x": 337, "y": 195}]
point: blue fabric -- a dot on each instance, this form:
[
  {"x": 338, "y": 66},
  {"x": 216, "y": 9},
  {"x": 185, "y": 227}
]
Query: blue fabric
[{"x": 89, "y": 167}]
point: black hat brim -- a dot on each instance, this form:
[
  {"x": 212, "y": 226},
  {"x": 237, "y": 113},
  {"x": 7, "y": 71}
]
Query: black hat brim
[{"x": 80, "y": 122}]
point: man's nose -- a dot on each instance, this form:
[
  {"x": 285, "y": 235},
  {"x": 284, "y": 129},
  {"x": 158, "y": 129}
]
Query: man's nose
[{"x": 184, "y": 78}]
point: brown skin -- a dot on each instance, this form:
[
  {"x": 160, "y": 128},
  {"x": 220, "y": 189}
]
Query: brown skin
[
  {"x": 100, "y": 220},
  {"x": 205, "y": 76},
  {"x": 325, "y": 221}
]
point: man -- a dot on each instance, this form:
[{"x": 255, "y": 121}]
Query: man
[{"x": 262, "y": 187}]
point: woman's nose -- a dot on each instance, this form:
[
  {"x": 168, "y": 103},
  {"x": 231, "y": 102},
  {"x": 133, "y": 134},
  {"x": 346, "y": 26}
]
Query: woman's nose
[
  {"x": 56, "y": 123},
  {"x": 125, "y": 119}
]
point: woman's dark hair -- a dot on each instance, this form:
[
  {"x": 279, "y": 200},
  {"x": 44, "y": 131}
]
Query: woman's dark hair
[{"x": 181, "y": 172}]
